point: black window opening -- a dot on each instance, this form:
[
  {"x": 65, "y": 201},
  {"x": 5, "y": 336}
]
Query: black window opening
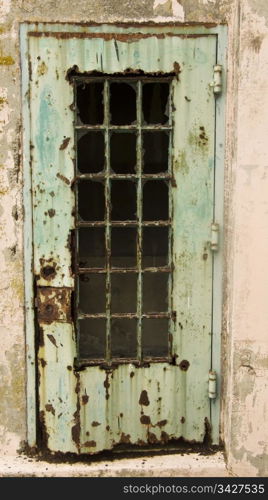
[{"x": 123, "y": 230}]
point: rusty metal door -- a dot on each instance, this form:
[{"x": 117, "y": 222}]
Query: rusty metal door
[{"x": 122, "y": 159}]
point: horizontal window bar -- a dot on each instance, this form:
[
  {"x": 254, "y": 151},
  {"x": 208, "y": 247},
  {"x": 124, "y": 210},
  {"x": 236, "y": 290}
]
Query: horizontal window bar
[
  {"x": 127, "y": 223},
  {"x": 124, "y": 127},
  {"x": 101, "y": 175},
  {"x": 96, "y": 270},
  {"x": 160, "y": 315},
  {"x": 117, "y": 78},
  {"x": 82, "y": 362}
]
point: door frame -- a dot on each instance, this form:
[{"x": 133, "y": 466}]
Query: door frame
[{"x": 217, "y": 295}]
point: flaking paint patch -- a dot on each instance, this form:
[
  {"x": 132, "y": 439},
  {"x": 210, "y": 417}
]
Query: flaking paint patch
[
  {"x": 6, "y": 60},
  {"x": 169, "y": 8}
]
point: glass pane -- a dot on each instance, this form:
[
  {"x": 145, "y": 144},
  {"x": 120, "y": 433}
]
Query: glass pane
[
  {"x": 155, "y": 246},
  {"x": 91, "y": 293},
  {"x": 124, "y": 293},
  {"x": 89, "y": 99},
  {"x": 123, "y": 152},
  {"x": 91, "y": 200},
  {"x": 123, "y": 200},
  {"x": 155, "y": 152},
  {"x": 122, "y": 103},
  {"x": 155, "y": 102},
  {"x": 91, "y": 247},
  {"x": 155, "y": 337},
  {"x": 155, "y": 200},
  {"x": 124, "y": 247},
  {"x": 124, "y": 338},
  {"x": 92, "y": 338},
  {"x": 155, "y": 292},
  {"x": 90, "y": 152}
]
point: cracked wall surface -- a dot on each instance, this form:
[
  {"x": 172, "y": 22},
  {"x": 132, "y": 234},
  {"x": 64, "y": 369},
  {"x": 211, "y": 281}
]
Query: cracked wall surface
[{"x": 245, "y": 317}]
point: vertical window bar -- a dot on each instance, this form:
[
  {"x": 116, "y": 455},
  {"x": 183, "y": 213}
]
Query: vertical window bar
[
  {"x": 170, "y": 229},
  {"x": 75, "y": 257},
  {"x": 107, "y": 217},
  {"x": 139, "y": 216}
]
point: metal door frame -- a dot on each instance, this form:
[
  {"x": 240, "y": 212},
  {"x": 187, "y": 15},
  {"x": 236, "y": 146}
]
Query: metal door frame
[{"x": 217, "y": 297}]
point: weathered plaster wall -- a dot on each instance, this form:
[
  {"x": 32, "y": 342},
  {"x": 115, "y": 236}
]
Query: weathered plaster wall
[
  {"x": 245, "y": 359},
  {"x": 247, "y": 289}
]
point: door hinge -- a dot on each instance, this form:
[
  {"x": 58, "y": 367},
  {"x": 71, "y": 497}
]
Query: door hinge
[
  {"x": 214, "y": 242},
  {"x": 212, "y": 384},
  {"x": 217, "y": 80}
]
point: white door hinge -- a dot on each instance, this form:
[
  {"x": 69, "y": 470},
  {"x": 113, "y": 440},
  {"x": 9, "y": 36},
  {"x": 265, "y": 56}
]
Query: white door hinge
[
  {"x": 212, "y": 384},
  {"x": 214, "y": 242},
  {"x": 217, "y": 80}
]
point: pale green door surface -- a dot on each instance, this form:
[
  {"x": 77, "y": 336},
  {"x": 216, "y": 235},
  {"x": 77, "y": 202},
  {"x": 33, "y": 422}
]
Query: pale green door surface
[{"x": 91, "y": 409}]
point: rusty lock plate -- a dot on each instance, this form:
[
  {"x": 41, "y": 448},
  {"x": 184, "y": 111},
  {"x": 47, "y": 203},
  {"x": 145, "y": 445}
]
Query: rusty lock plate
[{"x": 54, "y": 304}]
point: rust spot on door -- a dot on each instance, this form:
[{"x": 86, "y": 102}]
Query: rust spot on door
[
  {"x": 144, "y": 400},
  {"x": 50, "y": 408},
  {"x": 85, "y": 399},
  {"x": 164, "y": 437},
  {"x": 125, "y": 438},
  {"x": 184, "y": 365},
  {"x": 152, "y": 439},
  {"x": 162, "y": 423},
  {"x": 48, "y": 269},
  {"x": 145, "y": 419},
  {"x": 95, "y": 424},
  {"x": 51, "y": 212},
  {"x": 90, "y": 444}
]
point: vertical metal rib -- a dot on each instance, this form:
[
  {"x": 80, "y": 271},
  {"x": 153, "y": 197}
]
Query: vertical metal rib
[
  {"x": 107, "y": 217},
  {"x": 139, "y": 216}
]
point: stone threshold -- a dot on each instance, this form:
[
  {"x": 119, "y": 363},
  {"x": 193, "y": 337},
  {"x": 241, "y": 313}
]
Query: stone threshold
[{"x": 173, "y": 465}]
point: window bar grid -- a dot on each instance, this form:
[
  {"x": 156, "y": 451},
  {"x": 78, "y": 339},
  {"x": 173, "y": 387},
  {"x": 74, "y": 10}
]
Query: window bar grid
[
  {"x": 106, "y": 91},
  {"x": 139, "y": 216},
  {"x": 139, "y": 177}
]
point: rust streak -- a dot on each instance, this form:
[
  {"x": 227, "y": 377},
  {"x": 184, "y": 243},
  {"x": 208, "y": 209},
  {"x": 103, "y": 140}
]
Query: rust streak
[
  {"x": 121, "y": 37},
  {"x": 107, "y": 385},
  {"x": 65, "y": 143},
  {"x": 52, "y": 339},
  {"x": 63, "y": 178},
  {"x": 76, "y": 428}
]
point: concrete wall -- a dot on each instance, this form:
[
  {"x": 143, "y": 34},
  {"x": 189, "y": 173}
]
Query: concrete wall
[{"x": 245, "y": 316}]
